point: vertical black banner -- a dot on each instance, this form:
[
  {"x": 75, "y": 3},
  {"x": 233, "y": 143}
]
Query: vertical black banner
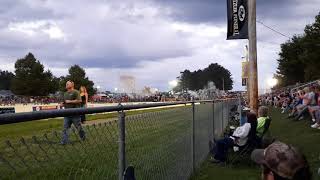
[{"x": 237, "y": 19}]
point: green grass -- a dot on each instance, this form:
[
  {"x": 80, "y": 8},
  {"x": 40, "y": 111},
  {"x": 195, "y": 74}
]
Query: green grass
[
  {"x": 298, "y": 134},
  {"x": 27, "y": 129}
]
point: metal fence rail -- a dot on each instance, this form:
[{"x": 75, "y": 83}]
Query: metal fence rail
[{"x": 164, "y": 144}]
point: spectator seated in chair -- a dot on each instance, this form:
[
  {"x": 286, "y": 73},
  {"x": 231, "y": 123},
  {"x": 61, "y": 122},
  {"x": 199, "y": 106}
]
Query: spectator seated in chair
[
  {"x": 264, "y": 122},
  {"x": 240, "y": 137},
  {"x": 262, "y": 119}
]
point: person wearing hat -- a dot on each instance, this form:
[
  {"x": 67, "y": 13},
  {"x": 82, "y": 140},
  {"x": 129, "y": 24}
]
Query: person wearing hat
[{"x": 282, "y": 162}]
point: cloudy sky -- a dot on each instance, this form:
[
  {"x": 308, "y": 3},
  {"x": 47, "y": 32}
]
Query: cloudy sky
[{"x": 152, "y": 40}]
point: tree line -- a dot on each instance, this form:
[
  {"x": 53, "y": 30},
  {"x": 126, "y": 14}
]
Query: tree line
[
  {"x": 31, "y": 79},
  {"x": 199, "y": 79},
  {"x": 299, "y": 59}
]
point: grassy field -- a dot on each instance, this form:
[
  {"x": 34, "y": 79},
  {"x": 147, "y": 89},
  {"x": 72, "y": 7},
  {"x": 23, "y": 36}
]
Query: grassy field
[
  {"x": 298, "y": 134},
  {"x": 158, "y": 144}
]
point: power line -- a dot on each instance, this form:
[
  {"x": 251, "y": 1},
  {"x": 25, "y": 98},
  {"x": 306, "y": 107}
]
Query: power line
[
  {"x": 272, "y": 29},
  {"x": 269, "y": 42}
]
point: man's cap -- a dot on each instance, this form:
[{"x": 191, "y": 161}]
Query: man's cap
[{"x": 281, "y": 158}]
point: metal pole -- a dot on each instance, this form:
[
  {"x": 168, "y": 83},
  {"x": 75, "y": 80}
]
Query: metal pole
[
  {"x": 222, "y": 125},
  {"x": 253, "y": 83},
  {"x": 223, "y": 83},
  {"x": 228, "y": 112},
  {"x": 240, "y": 111},
  {"x": 122, "y": 144},
  {"x": 213, "y": 130},
  {"x": 193, "y": 138}
]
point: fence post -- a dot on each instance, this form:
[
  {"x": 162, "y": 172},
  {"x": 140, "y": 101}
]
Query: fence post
[
  {"x": 213, "y": 130},
  {"x": 239, "y": 109},
  {"x": 228, "y": 112},
  {"x": 222, "y": 114},
  {"x": 193, "y": 157},
  {"x": 122, "y": 144}
]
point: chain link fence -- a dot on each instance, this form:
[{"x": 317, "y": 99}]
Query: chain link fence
[
  {"x": 165, "y": 144},
  {"x": 42, "y": 157},
  {"x": 158, "y": 144}
]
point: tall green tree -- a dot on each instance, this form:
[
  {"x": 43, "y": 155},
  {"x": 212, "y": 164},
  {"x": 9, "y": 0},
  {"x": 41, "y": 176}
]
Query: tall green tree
[
  {"x": 199, "y": 79},
  {"x": 311, "y": 53},
  {"x": 31, "y": 79},
  {"x": 290, "y": 65},
  {"x": 78, "y": 76},
  {"x": 299, "y": 59},
  {"x": 5, "y": 80},
  {"x": 185, "y": 80}
]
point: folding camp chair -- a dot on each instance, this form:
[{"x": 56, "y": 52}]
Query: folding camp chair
[
  {"x": 252, "y": 144},
  {"x": 242, "y": 152}
]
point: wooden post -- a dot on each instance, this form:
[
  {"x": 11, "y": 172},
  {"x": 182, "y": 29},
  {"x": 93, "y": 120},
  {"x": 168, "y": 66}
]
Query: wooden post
[{"x": 253, "y": 78}]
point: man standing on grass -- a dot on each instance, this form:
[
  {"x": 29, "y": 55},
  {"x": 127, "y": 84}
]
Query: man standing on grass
[{"x": 71, "y": 100}]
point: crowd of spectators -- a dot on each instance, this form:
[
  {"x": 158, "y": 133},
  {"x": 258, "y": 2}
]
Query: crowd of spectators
[
  {"x": 13, "y": 100},
  {"x": 123, "y": 98},
  {"x": 298, "y": 104}
]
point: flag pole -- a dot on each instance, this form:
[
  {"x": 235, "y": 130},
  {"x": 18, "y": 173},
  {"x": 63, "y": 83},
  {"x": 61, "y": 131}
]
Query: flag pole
[{"x": 253, "y": 78}]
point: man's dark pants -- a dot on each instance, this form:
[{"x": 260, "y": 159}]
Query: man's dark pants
[
  {"x": 222, "y": 147},
  {"x": 68, "y": 121}
]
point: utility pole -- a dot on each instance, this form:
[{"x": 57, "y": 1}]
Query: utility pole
[{"x": 253, "y": 78}]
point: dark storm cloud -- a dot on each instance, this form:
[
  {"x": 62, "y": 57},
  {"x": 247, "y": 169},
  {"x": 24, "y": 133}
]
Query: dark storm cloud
[
  {"x": 115, "y": 59},
  {"x": 196, "y": 11},
  {"x": 214, "y": 11},
  {"x": 286, "y": 16}
]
